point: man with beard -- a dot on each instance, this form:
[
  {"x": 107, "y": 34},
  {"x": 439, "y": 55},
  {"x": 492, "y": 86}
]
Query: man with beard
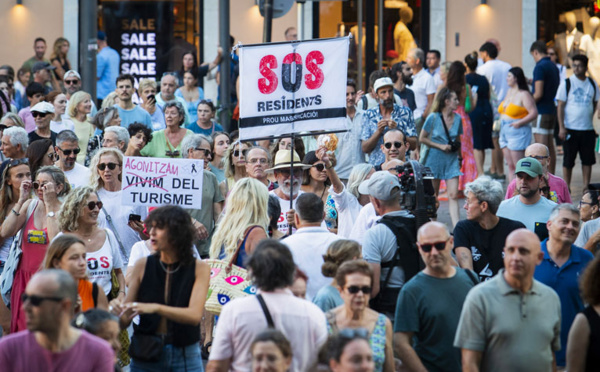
[
  {"x": 561, "y": 267},
  {"x": 128, "y": 111},
  {"x": 387, "y": 115},
  {"x": 349, "y": 151},
  {"x": 289, "y": 185},
  {"x": 67, "y": 148},
  {"x": 528, "y": 207},
  {"x": 402, "y": 76},
  {"x": 39, "y": 47},
  {"x": 257, "y": 161}
]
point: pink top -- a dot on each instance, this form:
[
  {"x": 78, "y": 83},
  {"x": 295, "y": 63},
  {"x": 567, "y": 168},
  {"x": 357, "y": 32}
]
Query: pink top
[
  {"x": 21, "y": 352},
  {"x": 34, "y": 245},
  {"x": 559, "y": 191},
  {"x": 28, "y": 119}
]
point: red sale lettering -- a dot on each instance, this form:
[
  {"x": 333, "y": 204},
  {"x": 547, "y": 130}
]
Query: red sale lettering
[
  {"x": 268, "y": 84},
  {"x": 291, "y": 78},
  {"x": 313, "y": 59},
  {"x": 105, "y": 263}
]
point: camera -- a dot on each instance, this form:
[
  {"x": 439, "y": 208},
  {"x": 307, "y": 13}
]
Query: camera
[
  {"x": 417, "y": 194},
  {"x": 454, "y": 146}
]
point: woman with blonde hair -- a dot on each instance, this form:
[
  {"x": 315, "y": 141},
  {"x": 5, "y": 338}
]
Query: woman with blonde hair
[
  {"x": 234, "y": 165},
  {"x": 67, "y": 252},
  {"x": 80, "y": 105},
  {"x": 338, "y": 252},
  {"x": 244, "y": 223},
  {"x": 110, "y": 100},
  {"x": 59, "y": 59},
  {"x": 147, "y": 89}
]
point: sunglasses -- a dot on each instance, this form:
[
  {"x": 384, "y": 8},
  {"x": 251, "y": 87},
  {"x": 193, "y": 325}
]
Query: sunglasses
[
  {"x": 354, "y": 289},
  {"x": 388, "y": 145},
  {"x": 440, "y": 246},
  {"x": 37, "y": 300},
  {"x": 172, "y": 154},
  {"x": 546, "y": 189},
  {"x": 3, "y": 126},
  {"x": 92, "y": 205},
  {"x": 36, "y": 184},
  {"x": 207, "y": 153},
  {"x": 111, "y": 166},
  {"x": 69, "y": 82},
  {"x": 236, "y": 153},
  {"x": 69, "y": 152},
  {"x": 53, "y": 156},
  {"x": 15, "y": 162},
  {"x": 320, "y": 167},
  {"x": 39, "y": 114}
]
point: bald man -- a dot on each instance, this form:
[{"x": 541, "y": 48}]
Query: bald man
[
  {"x": 559, "y": 191},
  {"x": 512, "y": 321},
  {"x": 429, "y": 305}
]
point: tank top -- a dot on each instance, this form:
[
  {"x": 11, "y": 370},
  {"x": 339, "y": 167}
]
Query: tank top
[
  {"x": 513, "y": 111},
  {"x": 241, "y": 258},
  {"x": 592, "y": 362},
  {"x": 152, "y": 290}
]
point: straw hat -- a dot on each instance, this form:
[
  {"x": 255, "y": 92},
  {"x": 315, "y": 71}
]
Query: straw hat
[{"x": 284, "y": 158}]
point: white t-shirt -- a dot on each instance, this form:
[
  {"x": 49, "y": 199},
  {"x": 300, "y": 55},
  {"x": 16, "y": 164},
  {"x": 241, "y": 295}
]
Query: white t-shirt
[
  {"x": 78, "y": 176},
  {"x": 64, "y": 124},
  {"x": 579, "y": 108},
  {"x": 496, "y": 71},
  {"x": 367, "y": 217},
  {"x": 348, "y": 209},
  {"x": 282, "y": 224},
  {"x": 423, "y": 85}
]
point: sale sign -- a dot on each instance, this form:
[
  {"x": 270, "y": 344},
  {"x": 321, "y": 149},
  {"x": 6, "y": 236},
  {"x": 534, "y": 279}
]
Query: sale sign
[{"x": 293, "y": 87}]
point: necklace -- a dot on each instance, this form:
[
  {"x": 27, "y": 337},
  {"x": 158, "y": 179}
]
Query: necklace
[
  {"x": 88, "y": 237},
  {"x": 167, "y": 270}
]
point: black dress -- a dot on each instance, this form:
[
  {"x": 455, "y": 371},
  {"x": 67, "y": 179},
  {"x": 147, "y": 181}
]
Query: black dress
[
  {"x": 592, "y": 362},
  {"x": 482, "y": 117}
]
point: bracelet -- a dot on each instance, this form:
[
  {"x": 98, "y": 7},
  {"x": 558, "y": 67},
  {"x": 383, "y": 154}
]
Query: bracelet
[{"x": 15, "y": 212}]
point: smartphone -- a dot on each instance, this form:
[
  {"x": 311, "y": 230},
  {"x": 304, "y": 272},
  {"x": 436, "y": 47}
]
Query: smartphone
[
  {"x": 151, "y": 97},
  {"x": 474, "y": 89},
  {"x": 135, "y": 217}
]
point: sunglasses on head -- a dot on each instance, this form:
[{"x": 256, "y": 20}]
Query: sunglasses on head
[
  {"x": 320, "y": 167},
  {"x": 440, "y": 246},
  {"x": 388, "y": 145},
  {"x": 15, "y": 162},
  {"x": 69, "y": 152},
  {"x": 354, "y": 289},
  {"x": 172, "y": 154},
  {"x": 37, "y": 300},
  {"x": 111, "y": 166},
  {"x": 207, "y": 153},
  {"x": 92, "y": 205},
  {"x": 36, "y": 114},
  {"x": 236, "y": 153}
]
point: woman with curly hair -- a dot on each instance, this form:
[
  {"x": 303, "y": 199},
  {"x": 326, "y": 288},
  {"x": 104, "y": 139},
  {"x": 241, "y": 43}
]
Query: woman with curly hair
[
  {"x": 79, "y": 216},
  {"x": 167, "y": 290},
  {"x": 36, "y": 220},
  {"x": 139, "y": 136},
  {"x": 235, "y": 165},
  {"x": 245, "y": 221}
]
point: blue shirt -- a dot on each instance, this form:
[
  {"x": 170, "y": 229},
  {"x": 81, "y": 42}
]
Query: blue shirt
[
  {"x": 194, "y": 127},
  {"x": 107, "y": 71},
  {"x": 565, "y": 282},
  {"x": 135, "y": 115},
  {"x": 546, "y": 71},
  {"x": 400, "y": 114}
]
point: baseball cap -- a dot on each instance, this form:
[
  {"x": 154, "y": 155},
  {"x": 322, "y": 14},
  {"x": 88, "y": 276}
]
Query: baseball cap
[
  {"x": 530, "y": 166},
  {"x": 38, "y": 66},
  {"x": 382, "y": 82},
  {"x": 72, "y": 73},
  {"x": 380, "y": 186},
  {"x": 43, "y": 107},
  {"x": 101, "y": 35}
]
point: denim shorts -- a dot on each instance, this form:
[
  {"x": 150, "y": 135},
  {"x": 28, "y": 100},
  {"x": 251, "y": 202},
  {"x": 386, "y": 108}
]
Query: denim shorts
[
  {"x": 516, "y": 139},
  {"x": 172, "y": 360}
]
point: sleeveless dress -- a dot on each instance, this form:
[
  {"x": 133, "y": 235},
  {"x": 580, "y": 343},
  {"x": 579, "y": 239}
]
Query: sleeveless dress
[
  {"x": 35, "y": 243},
  {"x": 376, "y": 338},
  {"x": 469, "y": 166}
]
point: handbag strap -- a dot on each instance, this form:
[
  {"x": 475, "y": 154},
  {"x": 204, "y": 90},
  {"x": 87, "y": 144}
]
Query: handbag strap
[
  {"x": 113, "y": 229},
  {"x": 445, "y": 128},
  {"x": 237, "y": 251},
  {"x": 266, "y": 311}
]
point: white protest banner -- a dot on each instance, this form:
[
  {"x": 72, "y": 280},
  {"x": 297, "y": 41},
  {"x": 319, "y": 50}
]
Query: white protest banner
[
  {"x": 293, "y": 87},
  {"x": 153, "y": 182}
]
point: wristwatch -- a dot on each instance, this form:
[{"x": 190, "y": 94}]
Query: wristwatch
[{"x": 51, "y": 214}]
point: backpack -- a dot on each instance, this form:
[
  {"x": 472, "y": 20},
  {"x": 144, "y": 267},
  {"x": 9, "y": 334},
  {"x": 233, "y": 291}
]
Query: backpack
[{"x": 568, "y": 86}]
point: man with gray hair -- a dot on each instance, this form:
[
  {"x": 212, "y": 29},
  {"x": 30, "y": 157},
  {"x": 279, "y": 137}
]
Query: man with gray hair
[
  {"x": 168, "y": 86},
  {"x": 50, "y": 343},
  {"x": 562, "y": 266},
  {"x": 423, "y": 86},
  {"x": 14, "y": 143},
  {"x": 479, "y": 240},
  {"x": 258, "y": 160},
  {"x": 67, "y": 148},
  {"x": 116, "y": 137},
  {"x": 198, "y": 146}
]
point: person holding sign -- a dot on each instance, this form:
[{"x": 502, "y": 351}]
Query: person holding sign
[
  {"x": 167, "y": 142},
  {"x": 387, "y": 115}
]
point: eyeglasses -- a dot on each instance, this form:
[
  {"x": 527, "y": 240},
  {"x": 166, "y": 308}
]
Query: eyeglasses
[
  {"x": 172, "y": 154},
  {"x": 69, "y": 152},
  {"x": 440, "y": 246},
  {"x": 39, "y": 114},
  {"x": 581, "y": 202},
  {"x": 111, "y": 166},
  {"x": 207, "y": 153},
  {"x": 37, "y": 300},
  {"x": 92, "y": 205},
  {"x": 258, "y": 160},
  {"x": 354, "y": 333},
  {"x": 388, "y": 145},
  {"x": 236, "y": 153},
  {"x": 52, "y": 156},
  {"x": 354, "y": 289},
  {"x": 69, "y": 82},
  {"x": 320, "y": 167}
]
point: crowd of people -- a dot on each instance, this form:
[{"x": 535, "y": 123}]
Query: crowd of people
[{"x": 343, "y": 276}]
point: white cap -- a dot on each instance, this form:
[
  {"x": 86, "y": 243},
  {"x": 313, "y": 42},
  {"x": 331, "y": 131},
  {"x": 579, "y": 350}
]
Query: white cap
[
  {"x": 382, "y": 82},
  {"x": 43, "y": 107}
]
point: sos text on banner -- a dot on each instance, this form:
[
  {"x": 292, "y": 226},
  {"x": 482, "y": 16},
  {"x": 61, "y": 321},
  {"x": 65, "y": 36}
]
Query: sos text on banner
[
  {"x": 153, "y": 182},
  {"x": 293, "y": 87}
]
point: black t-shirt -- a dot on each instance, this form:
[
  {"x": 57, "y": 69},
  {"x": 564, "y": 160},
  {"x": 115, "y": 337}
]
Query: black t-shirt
[
  {"x": 33, "y": 136},
  {"x": 408, "y": 98},
  {"x": 486, "y": 245}
]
